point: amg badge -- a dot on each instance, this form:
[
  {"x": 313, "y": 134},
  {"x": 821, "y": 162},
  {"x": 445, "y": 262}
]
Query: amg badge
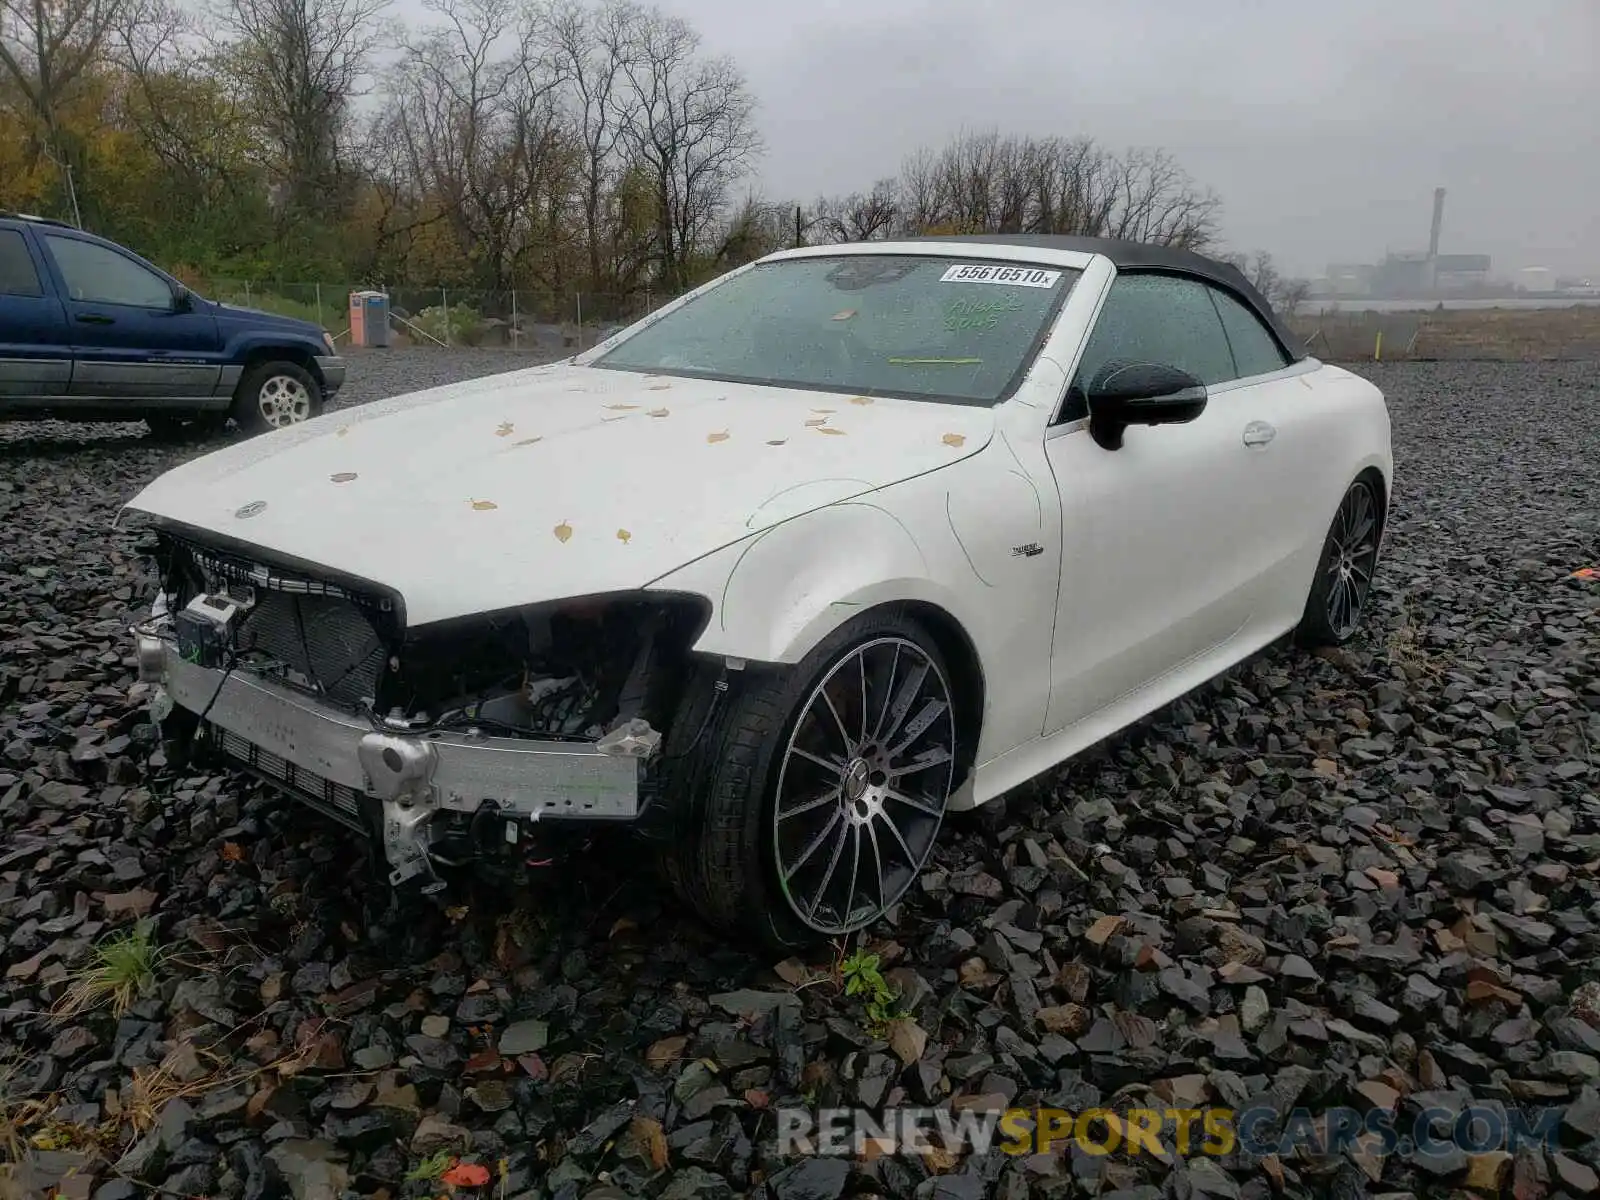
[{"x": 1027, "y": 551}]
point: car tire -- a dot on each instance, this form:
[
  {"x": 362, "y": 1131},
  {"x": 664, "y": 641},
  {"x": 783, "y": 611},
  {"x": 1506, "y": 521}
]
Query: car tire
[
  {"x": 1343, "y": 581},
  {"x": 275, "y": 395},
  {"x": 820, "y": 743}
]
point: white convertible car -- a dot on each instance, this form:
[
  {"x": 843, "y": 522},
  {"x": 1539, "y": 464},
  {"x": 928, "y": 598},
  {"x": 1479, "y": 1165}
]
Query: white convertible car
[{"x": 845, "y": 540}]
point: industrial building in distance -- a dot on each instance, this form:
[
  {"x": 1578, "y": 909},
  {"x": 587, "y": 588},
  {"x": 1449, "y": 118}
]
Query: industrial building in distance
[{"x": 1430, "y": 275}]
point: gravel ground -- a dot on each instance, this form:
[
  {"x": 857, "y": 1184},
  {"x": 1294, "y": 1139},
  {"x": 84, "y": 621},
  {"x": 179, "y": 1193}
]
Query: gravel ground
[{"x": 1363, "y": 879}]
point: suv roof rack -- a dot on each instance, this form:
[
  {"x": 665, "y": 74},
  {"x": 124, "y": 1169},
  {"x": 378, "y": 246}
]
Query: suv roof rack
[{"x": 37, "y": 220}]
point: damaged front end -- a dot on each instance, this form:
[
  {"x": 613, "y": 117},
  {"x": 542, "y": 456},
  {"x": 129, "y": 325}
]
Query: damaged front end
[{"x": 458, "y": 741}]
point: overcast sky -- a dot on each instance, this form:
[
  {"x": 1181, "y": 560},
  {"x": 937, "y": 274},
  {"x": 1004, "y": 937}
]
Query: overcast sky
[{"x": 1323, "y": 126}]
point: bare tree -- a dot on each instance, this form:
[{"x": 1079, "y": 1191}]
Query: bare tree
[
  {"x": 178, "y": 104},
  {"x": 1292, "y": 293},
  {"x": 1283, "y": 293},
  {"x": 690, "y": 126},
  {"x": 1258, "y": 268},
  {"x": 46, "y": 49},
  {"x": 987, "y": 183},
  {"x": 918, "y": 188},
  {"x": 1157, "y": 202},
  {"x": 300, "y": 64},
  {"x": 591, "y": 47},
  {"x": 756, "y": 228},
  {"x": 860, "y": 216},
  {"x": 396, "y": 207},
  {"x": 481, "y": 132}
]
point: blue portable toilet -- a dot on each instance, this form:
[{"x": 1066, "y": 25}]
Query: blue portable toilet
[{"x": 369, "y": 319}]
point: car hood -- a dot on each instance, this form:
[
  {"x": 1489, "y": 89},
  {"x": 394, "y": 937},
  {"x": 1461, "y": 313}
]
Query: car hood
[
  {"x": 553, "y": 481},
  {"x": 257, "y": 318}
]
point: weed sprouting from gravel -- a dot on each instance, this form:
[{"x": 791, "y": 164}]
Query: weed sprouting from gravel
[{"x": 120, "y": 970}]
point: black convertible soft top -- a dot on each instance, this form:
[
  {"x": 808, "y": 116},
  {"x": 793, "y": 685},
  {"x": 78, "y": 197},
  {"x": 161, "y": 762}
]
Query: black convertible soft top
[{"x": 1140, "y": 256}]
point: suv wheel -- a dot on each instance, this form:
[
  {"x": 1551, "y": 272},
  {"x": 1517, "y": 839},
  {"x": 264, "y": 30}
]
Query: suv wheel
[{"x": 275, "y": 395}]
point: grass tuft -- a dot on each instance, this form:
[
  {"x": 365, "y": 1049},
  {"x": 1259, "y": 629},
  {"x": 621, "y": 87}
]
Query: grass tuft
[{"x": 120, "y": 972}]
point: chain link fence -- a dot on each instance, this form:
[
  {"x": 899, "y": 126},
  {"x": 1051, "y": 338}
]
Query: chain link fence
[
  {"x": 562, "y": 323},
  {"x": 1335, "y": 336},
  {"x": 455, "y": 317}
]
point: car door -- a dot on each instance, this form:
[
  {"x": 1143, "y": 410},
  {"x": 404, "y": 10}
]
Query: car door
[
  {"x": 1153, "y": 572},
  {"x": 1286, "y": 475},
  {"x": 131, "y": 339},
  {"x": 35, "y": 358}
]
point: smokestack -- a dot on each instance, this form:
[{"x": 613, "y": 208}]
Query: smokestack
[{"x": 1438, "y": 222}]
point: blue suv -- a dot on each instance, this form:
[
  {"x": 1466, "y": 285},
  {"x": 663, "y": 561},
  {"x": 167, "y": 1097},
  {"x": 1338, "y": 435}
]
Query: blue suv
[{"x": 91, "y": 332}]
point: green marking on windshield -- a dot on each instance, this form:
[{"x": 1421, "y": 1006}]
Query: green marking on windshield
[
  {"x": 937, "y": 362},
  {"x": 979, "y": 315}
]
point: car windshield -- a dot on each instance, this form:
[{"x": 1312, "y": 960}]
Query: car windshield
[{"x": 917, "y": 326}]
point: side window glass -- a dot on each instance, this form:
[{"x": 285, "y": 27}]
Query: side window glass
[
  {"x": 1155, "y": 318},
  {"x": 17, "y": 275},
  {"x": 1255, "y": 350},
  {"x": 97, "y": 275}
]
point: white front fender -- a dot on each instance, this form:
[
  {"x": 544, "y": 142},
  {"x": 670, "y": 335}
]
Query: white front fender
[{"x": 777, "y": 594}]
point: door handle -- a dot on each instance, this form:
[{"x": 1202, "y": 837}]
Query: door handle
[
  {"x": 1258, "y": 434},
  {"x": 96, "y": 319}
]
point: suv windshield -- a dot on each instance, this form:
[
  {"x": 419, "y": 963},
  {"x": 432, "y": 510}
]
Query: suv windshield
[{"x": 917, "y": 326}]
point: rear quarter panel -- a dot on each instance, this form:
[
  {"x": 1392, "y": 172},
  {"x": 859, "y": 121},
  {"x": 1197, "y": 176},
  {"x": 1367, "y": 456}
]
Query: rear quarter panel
[{"x": 1341, "y": 429}]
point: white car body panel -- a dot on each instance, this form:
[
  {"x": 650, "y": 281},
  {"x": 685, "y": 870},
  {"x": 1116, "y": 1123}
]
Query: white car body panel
[
  {"x": 567, "y": 452},
  {"x": 1093, "y": 585}
]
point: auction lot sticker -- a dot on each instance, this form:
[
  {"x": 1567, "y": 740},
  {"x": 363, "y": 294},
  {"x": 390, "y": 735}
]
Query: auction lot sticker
[{"x": 988, "y": 273}]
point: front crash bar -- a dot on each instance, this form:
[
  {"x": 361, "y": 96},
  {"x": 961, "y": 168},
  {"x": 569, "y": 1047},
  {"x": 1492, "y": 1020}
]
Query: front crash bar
[{"x": 413, "y": 775}]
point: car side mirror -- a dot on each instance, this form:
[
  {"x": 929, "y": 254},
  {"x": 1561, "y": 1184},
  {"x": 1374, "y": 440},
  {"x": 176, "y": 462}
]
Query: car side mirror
[
  {"x": 1126, "y": 392},
  {"x": 182, "y": 298}
]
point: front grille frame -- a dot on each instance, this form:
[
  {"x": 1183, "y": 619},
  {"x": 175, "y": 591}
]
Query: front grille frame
[
  {"x": 265, "y": 575},
  {"x": 189, "y": 565}
]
